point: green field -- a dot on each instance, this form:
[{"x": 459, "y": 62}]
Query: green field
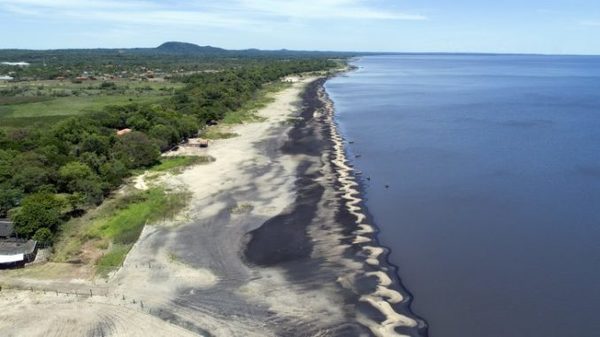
[
  {"x": 47, "y": 102},
  {"x": 68, "y": 106}
]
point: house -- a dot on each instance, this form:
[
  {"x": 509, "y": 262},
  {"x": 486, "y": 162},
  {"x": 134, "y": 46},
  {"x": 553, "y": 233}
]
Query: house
[
  {"x": 123, "y": 132},
  {"x": 16, "y": 64},
  {"x": 15, "y": 252},
  {"x": 6, "y": 78},
  {"x": 198, "y": 142}
]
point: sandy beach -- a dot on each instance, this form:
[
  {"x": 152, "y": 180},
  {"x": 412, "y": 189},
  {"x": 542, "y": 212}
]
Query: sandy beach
[{"x": 275, "y": 242}]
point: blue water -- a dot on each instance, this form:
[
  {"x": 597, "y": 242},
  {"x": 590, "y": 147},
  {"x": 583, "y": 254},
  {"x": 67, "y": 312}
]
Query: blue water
[{"x": 493, "y": 164}]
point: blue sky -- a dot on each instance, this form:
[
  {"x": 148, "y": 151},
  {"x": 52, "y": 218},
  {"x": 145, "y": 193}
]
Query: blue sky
[{"x": 521, "y": 26}]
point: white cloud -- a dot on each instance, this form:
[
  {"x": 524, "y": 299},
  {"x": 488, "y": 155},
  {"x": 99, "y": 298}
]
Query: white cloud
[
  {"x": 212, "y": 13},
  {"x": 323, "y": 9},
  {"x": 81, "y": 4}
]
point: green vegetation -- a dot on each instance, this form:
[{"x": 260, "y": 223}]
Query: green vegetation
[
  {"x": 124, "y": 225},
  {"x": 176, "y": 59},
  {"x": 39, "y": 212},
  {"x": 68, "y": 106},
  {"x": 48, "y": 102},
  {"x": 67, "y": 159},
  {"x": 177, "y": 163},
  {"x": 115, "y": 226},
  {"x": 217, "y": 132},
  {"x": 112, "y": 260},
  {"x": 263, "y": 97}
]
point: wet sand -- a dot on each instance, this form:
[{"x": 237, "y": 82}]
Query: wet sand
[{"x": 275, "y": 242}]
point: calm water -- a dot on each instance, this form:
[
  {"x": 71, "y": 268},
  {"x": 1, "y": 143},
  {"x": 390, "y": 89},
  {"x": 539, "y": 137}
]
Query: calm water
[{"x": 493, "y": 209}]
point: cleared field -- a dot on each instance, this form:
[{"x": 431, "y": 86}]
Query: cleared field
[
  {"x": 68, "y": 106},
  {"x": 47, "y": 102}
]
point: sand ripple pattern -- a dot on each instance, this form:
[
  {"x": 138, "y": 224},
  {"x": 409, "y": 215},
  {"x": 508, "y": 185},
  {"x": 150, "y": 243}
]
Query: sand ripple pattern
[{"x": 384, "y": 297}]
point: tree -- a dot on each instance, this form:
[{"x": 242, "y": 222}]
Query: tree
[
  {"x": 43, "y": 235},
  {"x": 113, "y": 172},
  {"x": 138, "y": 122},
  {"x": 135, "y": 150},
  {"x": 38, "y": 210},
  {"x": 165, "y": 135},
  {"x": 77, "y": 177},
  {"x": 30, "y": 178},
  {"x": 9, "y": 198}
]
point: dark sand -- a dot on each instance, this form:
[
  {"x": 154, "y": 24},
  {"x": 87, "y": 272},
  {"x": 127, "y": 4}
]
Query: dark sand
[
  {"x": 276, "y": 242},
  {"x": 306, "y": 240}
]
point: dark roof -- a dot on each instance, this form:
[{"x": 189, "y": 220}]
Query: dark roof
[
  {"x": 13, "y": 247},
  {"x": 6, "y": 228}
]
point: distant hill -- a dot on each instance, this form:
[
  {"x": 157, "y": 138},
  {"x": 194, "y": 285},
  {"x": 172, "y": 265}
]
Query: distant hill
[
  {"x": 174, "y": 47},
  {"x": 163, "y": 53}
]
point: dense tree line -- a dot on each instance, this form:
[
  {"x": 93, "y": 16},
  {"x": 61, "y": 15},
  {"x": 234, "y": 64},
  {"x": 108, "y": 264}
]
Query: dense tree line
[
  {"x": 49, "y": 64},
  {"x": 47, "y": 175}
]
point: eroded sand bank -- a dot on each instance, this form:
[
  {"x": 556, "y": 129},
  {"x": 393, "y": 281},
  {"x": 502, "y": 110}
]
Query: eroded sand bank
[{"x": 274, "y": 243}]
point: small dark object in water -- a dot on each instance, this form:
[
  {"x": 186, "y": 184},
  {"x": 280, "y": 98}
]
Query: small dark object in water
[
  {"x": 357, "y": 156},
  {"x": 351, "y": 142},
  {"x": 369, "y": 178},
  {"x": 387, "y": 186}
]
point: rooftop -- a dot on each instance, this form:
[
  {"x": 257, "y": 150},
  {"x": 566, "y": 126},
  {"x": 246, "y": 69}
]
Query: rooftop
[{"x": 14, "y": 247}]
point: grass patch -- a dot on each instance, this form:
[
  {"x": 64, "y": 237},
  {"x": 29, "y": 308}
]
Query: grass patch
[
  {"x": 247, "y": 113},
  {"x": 112, "y": 260},
  {"x": 35, "y": 122},
  {"x": 43, "y": 103},
  {"x": 216, "y": 132},
  {"x": 173, "y": 258},
  {"x": 69, "y": 106},
  {"x": 178, "y": 163},
  {"x": 21, "y": 100},
  {"x": 125, "y": 224},
  {"x": 114, "y": 227},
  {"x": 242, "y": 208}
]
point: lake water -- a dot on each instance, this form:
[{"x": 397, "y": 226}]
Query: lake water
[{"x": 493, "y": 164}]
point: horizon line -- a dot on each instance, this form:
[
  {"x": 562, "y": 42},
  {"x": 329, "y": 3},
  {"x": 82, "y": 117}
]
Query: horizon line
[{"x": 370, "y": 53}]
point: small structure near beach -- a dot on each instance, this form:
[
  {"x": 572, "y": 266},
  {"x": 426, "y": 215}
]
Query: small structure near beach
[
  {"x": 123, "y": 132},
  {"x": 16, "y": 64},
  {"x": 14, "y": 252},
  {"x": 197, "y": 142}
]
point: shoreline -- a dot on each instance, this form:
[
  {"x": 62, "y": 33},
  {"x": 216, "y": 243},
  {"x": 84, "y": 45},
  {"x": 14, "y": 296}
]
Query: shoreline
[
  {"x": 267, "y": 247},
  {"x": 369, "y": 281},
  {"x": 367, "y": 233}
]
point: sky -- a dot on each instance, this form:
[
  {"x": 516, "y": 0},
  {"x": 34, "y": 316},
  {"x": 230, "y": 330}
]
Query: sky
[{"x": 497, "y": 26}]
